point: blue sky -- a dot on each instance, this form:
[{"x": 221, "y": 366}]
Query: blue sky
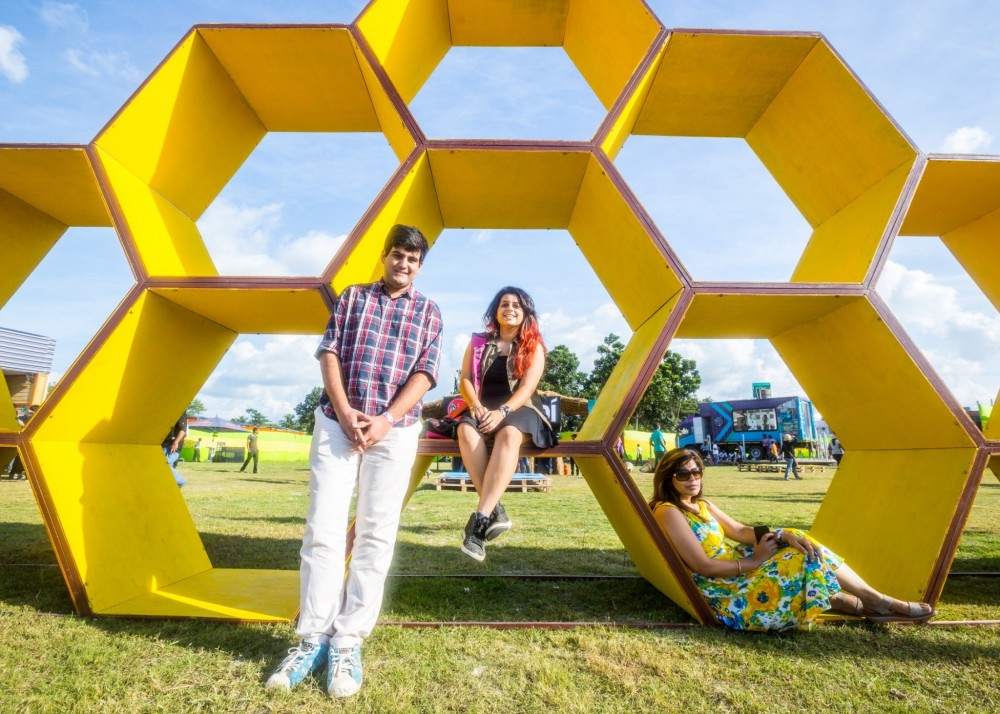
[{"x": 65, "y": 69}]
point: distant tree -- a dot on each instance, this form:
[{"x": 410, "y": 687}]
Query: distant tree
[
  {"x": 671, "y": 393},
  {"x": 196, "y": 409},
  {"x": 608, "y": 354},
  {"x": 251, "y": 417},
  {"x": 305, "y": 411},
  {"x": 562, "y": 373},
  {"x": 288, "y": 422}
]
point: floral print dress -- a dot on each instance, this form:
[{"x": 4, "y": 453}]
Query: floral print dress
[{"x": 786, "y": 592}]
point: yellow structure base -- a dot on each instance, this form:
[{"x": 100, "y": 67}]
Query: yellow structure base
[{"x": 221, "y": 594}]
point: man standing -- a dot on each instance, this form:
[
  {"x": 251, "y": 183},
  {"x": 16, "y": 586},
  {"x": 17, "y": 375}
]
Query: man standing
[
  {"x": 251, "y": 451},
  {"x": 378, "y": 357},
  {"x": 788, "y": 453},
  {"x": 658, "y": 445}
]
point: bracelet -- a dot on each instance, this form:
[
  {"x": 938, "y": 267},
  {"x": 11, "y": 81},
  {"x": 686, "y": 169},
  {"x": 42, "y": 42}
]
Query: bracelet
[
  {"x": 389, "y": 418},
  {"x": 739, "y": 567},
  {"x": 780, "y": 540}
]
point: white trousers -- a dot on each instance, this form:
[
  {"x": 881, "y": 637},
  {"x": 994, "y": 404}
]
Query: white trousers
[{"x": 333, "y": 608}]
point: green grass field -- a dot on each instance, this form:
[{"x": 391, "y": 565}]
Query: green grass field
[{"x": 51, "y": 660}]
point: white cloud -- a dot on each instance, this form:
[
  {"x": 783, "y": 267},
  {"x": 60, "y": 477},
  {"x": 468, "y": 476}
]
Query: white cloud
[
  {"x": 967, "y": 140},
  {"x": 243, "y": 241},
  {"x": 12, "y": 63},
  {"x": 729, "y": 367},
  {"x": 270, "y": 374},
  {"x": 103, "y": 64},
  {"x": 959, "y": 335},
  {"x": 64, "y": 16}
]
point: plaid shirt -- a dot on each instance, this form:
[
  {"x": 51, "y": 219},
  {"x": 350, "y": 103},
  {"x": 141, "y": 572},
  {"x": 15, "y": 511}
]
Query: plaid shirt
[{"x": 380, "y": 342}]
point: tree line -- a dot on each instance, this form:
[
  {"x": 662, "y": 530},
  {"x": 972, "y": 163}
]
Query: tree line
[{"x": 670, "y": 396}]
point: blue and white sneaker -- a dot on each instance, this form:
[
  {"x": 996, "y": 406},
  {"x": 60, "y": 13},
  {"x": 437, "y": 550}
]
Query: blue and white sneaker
[
  {"x": 343, "y": 674},
  {"x": 299, "y": 664}
]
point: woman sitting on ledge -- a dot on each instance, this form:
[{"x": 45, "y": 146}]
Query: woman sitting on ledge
[
  {"x": 782, "y": 582},
  {"x": 500, "y": 372}
]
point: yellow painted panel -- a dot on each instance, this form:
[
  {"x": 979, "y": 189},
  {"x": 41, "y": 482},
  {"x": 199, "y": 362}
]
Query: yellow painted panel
[
  {"x": 618, "y": 248},
  {"x": 992, "y": 430},
  {"x": 507, "y": 189},
  {"x": 865, "y": 385},
  {"x": 274, "y": 311},
  {"x": 420, "y": 467},
  {"x": 843, "y": 248},
  {"x": 57, "y": 181},
  {"x": 951, "y": 193},
  {"x": 718, "y": 84},
  {"x": 994, "y": 465},
  {"x": 121, "y": 516},
  {"x": 221, "y": 593},
  {"x": 8, "y": 417},
  {"x": 141, "y": 379},
  {"x": 296, "y": 78},
  {"x": 625, "y": 122},
  {"x": 26, "y": 237},
  {"x": 508, "y": 23},
  {"x": 607, "y": 40},
  {"x": 632, "y": 532},
  {"x": 728, "y": 317},
  {"x": 168, "y": 241},
  {"x": 907, "y": 498},
  {"x": 187, "y": 130},
  {"x": 824, "y": 139},
  {"x": 409, "y": 38},
  {"x": 414, "y": 203},
  {"x": 637, "y": 351},
  {"x": 390, "y": 123},
  {"x": 977, "y": 247}
]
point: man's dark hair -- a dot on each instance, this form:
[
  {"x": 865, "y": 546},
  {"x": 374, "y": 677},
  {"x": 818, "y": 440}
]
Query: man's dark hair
[{"x": 408, "y": 238}]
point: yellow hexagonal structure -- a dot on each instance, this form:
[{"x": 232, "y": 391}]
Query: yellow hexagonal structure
[{"x": 122, "y": 534}]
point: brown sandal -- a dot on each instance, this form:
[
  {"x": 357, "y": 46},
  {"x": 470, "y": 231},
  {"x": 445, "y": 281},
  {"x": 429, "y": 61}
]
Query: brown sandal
[
  {"x": 889, "y": 611},
  {"x": 844, "y": 603}
]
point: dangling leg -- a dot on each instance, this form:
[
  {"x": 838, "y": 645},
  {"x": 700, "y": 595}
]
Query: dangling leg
[{"x": 501, "y": 467}]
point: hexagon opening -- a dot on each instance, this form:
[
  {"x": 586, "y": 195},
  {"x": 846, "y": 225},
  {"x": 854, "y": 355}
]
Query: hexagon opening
[
  {"x": 721, "y": 210},
  {"x": 522, "y": 92},
  {"x": 825, "y": 140},
  {"x": 291, "y": 204}
]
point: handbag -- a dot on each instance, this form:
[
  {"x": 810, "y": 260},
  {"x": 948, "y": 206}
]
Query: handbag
[{"x": 445, "y": 428}]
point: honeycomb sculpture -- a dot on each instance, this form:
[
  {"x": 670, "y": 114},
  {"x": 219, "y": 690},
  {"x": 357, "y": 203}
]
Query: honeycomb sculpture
[{"x": 120, "y": 529}]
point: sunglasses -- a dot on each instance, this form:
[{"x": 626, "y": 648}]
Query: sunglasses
[{"x": 687, "y": 474}]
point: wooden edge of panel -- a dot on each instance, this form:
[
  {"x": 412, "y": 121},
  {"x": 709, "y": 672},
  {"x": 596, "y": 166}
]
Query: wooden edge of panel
[
  {"x": 639, "y": 211},
  {"x": 737, "y": 33},
  {"x": 271, "y": 26},
  {"x": 914, "y": 352},
  {"x": 626, "y": 94},
  {"x": 83, "y": 359},
  {"x": 666, "y": 550},
  {"x": 449, "y": 447},
  {"x": 833, "y": 289},
  {"x": 891, "y": 233},
  {"x": 387, "y": 86},
  {"x": 641, "y": 381},
  {"x": 983, "y": 158},
  {"x": 368, "y": 217},
  {"x": 509, "y": 145},
  {"x": 50, "y": 519},
  {"x": 125, "y": 237},
  {"x": 242, "y": 282},
  {"x": 939, "y": 574}
]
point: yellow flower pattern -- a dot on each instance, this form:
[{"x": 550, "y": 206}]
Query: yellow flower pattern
[{"x": 786, "y": 592}]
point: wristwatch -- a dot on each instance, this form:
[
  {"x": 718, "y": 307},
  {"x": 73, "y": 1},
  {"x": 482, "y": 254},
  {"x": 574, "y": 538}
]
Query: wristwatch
[{"x": 504, "y": 410}]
